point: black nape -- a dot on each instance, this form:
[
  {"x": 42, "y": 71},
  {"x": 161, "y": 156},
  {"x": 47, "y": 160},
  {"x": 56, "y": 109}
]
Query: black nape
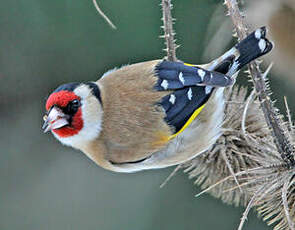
[{"x": 95, "y": 90}]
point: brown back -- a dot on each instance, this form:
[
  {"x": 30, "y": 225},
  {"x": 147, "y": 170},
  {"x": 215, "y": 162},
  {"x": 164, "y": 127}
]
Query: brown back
[{"x": 133, "y": 126}]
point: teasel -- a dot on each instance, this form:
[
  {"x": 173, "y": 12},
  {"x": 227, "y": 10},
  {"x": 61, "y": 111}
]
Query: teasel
[
  {"x": 272, "y": 186},
  {"x": 261, "y": 174},
  {"x": 233, "y": 152},
  {"x": 253, "y": 162},
  {"x": 244, "y": 167}
]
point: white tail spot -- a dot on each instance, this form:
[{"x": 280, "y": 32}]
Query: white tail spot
[
  {"x": 262, "y": 44},
  {"x": 172, "y": 99},
  {"x": 164, "y": 84},
  {"x": 181, "y": 78},
  {"x": 258, "y": 34},
  {"x": 190, "y": 94}
]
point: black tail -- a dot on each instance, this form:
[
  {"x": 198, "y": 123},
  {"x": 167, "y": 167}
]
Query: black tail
[{"x": 253, "y": 46}]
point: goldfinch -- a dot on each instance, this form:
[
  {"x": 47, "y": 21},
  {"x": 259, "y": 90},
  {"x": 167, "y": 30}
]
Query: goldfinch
[{"x": 152, "y": 114}]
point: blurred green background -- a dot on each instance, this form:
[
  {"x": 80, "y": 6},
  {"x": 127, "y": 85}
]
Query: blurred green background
[{"x": 44, "y": 185}]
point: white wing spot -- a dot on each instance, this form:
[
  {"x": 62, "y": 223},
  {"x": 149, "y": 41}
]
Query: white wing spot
[
  {"x": 208, "y": 89},
  {"x": 202, "y": 74},
  {"x": 181, "y": 78},
  {"x": 262, "y": 45},
  {"x": 164, "y": 84},
  {"x": 190, "y": 94},
  {"x": 172, "y": 99},
  {"x": 258, "y": 34}
]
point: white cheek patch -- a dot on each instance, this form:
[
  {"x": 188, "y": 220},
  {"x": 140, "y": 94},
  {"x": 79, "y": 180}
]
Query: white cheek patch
[
  {"x": 82, "y": 91},
  {"x": 92, "y": 119}
]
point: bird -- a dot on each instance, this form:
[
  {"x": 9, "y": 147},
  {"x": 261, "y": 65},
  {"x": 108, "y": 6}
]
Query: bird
[{"x": 152, "y": 114}]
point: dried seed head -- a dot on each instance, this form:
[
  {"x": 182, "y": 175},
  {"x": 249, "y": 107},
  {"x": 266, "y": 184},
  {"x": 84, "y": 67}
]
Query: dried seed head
[
  {"x": 233, "y": 152},
  {"x": 276, "y": 185},
  {"x": 276, "y": 198},
  {"x": 244, "y": 166}
]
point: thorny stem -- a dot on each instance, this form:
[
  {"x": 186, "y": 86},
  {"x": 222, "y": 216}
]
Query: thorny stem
[
  {"x": 168, "y": 30},
  {"x": 282, "y": 142}
]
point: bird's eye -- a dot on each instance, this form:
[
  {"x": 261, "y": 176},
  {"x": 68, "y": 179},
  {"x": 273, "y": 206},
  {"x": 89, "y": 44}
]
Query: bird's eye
[
  {"x": 75, "y": 103},
  {"x": 73, "y": 106}
]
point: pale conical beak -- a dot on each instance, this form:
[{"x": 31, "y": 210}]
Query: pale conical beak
[{"x": 55, "y": 119}]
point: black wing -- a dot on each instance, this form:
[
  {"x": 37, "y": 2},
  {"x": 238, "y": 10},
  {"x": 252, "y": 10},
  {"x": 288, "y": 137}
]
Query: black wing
[
  {"x": 177, "y": 75},
  {"x": 191, "y": 88},
  {"x": 181, "y": 104}
]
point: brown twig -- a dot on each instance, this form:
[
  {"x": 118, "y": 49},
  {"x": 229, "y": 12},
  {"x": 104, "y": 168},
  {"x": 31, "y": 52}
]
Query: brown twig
[
  {"x": 282, "y": 142},
  {"x": 102, "y": 14},
  {"x": 168, "y": 30}
]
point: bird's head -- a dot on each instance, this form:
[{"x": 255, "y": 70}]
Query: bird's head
[{"x": 74, "y": 113}]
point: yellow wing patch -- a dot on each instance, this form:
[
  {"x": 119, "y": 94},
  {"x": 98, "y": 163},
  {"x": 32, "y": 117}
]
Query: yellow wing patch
[
  {"x": 189, "y": 121},
  {"x": 189, "y": 64}
]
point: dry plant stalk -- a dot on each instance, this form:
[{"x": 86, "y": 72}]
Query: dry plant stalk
[
  {"x": 275, "y": 182},
  {"x": 253, "y": 161},
  {"x": 272, "y": 118},
  {"x": 102, "y": 14},
  {"x": 168, "y": 30},
  {"x": 244, "y": 166},
  {"x": 215, "y": 170}
]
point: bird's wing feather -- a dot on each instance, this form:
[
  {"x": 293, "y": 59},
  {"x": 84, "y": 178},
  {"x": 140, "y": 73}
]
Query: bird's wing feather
[
  {"x": 190, "y": 88},
  {"x": 180, "y": 105},
  {"x": 177, "y": 75}
]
